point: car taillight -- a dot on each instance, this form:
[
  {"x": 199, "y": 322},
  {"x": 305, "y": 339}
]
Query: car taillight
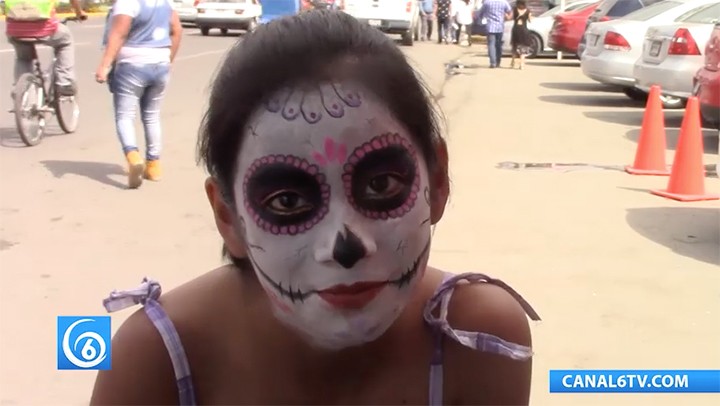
[
  {"x": 616, "y": 42},
  {"x": 408, "y": 6},
  {"x": 683, "y": 43},
  {"x": 196, "y": 2}
]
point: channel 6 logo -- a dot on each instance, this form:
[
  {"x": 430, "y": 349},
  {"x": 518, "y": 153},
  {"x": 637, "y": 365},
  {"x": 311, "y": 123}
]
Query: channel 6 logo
[{"x": 83, "y": 342}]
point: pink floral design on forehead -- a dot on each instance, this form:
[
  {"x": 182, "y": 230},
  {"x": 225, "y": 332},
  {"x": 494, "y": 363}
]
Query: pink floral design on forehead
[{"x": 312, "y": 102}]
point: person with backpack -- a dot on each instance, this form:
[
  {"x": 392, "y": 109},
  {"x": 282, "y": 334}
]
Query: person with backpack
[{"x": 38, "y": 19}]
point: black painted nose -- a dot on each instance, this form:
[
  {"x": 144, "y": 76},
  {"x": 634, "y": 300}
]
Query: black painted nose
[{"x": 349, "y": 249}]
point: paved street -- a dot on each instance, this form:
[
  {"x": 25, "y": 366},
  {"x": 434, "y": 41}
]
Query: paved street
[{"x": 621, "y": 278}]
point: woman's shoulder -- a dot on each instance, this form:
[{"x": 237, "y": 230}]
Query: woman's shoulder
[
  {"x": 492, "y": 364},
  {"x": 191, "y": 310}
]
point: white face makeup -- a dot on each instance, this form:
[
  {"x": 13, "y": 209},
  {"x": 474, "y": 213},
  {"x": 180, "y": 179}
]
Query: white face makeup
[{"x": 333, "y": 197}]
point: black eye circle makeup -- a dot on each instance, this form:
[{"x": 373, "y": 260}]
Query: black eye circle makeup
[
  {"x": 381, "y": 177},
  {"x": 285, "y": 194}
]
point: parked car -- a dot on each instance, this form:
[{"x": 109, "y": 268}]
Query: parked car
[
  {"x": 672, "y": 54},
  {"x": 390, "y": 16},
  {"x": 611, "y": 10},
  {"x": 536, "y": 7},
  {"x": 706, "y": 84},
  {"x": 568, "y": 28},
  {"x": 540, "y": 26},
  {"x": 186, "y": 10},
  {"x": 228, "y": 15},
  {"x": 614, "y": 46}
]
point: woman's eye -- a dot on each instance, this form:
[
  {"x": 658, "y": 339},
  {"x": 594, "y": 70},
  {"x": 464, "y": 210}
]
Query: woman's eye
[
  {"x": 384, "y": 186},
  {"x": 287, "y": 203}
]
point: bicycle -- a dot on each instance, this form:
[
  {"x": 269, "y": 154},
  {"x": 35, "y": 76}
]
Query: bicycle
[{"x": 41, "y": 85}]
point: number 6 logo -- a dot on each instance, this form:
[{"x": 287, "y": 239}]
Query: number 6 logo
[{"x": 88, "y": 352}]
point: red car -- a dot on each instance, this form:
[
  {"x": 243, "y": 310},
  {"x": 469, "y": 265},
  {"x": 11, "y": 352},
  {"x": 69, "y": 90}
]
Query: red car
[
  {"x": 707, "y": 81},
  {"x": 568, "y": 29}
]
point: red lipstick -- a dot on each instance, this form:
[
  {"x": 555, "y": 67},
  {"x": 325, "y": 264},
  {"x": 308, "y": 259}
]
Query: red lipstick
[{"x": 355, "y": 296}]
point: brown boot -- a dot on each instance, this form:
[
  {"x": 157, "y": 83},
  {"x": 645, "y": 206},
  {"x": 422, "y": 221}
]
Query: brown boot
[
  {"x": 136, "y": 167},
  {"x": 153, "y": 171}
]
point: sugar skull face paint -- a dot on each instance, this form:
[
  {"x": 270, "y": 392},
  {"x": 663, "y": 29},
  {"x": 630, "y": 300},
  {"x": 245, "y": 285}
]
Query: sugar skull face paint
[{"x": 333, "y": 200}]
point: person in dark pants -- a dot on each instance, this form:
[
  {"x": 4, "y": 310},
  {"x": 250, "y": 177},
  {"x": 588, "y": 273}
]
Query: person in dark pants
[
  {"x": 442, "y": 8},
  {"x": 495, "y": 12}
]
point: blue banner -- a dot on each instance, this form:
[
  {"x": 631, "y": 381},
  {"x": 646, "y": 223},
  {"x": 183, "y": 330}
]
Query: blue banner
[{"x": 634, "y": 381}]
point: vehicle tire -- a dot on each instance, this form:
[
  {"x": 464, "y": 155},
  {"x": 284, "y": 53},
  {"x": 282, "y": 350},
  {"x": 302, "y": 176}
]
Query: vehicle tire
[
  {"x": 252, "y": 25},
  {"x": 672, "y": 102},
  {"x": 635, "y": 94},
  {"x": 223, "y": 31},
  {"x": 67, "y": 112},
  {"x": 536, "y": 45},
  {"x": 416, "y": 30},
  {"x": 205, "y": 31},
  {"x": 27, "y": 88}
]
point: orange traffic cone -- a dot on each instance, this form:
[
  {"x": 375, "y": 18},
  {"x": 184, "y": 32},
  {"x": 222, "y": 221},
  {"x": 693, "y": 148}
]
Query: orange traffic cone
[
  {"x": 687, "y": 180},
  {"x": 650, "y": 153}
]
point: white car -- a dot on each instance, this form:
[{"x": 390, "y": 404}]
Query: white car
[
  {"x": 228, "y": 15},
  {"x": 186, "y": 10},
  {"x": 540, "y": 27},
  {"x": 389, "y": 16},
  {"x": 613, "y": 47},
  {"x": 672, "y": 54}
]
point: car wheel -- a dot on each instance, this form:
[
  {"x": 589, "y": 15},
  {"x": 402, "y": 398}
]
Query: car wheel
[
  {"x": 672, "y": 102},
  {"x": 205, "y": 31},
  {"x": 635, "y": 94},
  {"x": 252, "y": 25},
  {"x": 416, "y": 30},
  {"x": 536, "y": 45},
  {"x": 407, "y": 38}
]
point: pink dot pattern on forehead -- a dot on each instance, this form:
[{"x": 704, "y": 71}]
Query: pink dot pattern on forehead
[
  {"x": 297, "y": 163},
  {"x": 314, "y": 102},
  {"x": 377, "y": 143}
]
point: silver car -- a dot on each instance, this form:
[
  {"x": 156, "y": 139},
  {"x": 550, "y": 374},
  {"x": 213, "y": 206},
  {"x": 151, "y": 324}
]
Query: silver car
[
  {"x": 613, "y": 47},
  {"x": 186, "y": 10},
  {"x": 673, "y": 53}
]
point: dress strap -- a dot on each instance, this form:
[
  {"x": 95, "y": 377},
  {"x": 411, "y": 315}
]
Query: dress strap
[
  {"x": 435, "y": 388},
  {"x": 147, "y": 294},
  {"x": 476, "y": 340}
]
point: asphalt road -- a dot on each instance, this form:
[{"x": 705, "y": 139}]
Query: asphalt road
[{"x": 622, "y": 278}]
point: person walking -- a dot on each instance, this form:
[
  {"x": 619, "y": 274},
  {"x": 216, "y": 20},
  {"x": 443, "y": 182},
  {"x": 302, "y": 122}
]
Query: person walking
[
  {"x": 444, "y": 20},
  {"x": 142, "y": 39},
  {"x": 38, "y": 19},
  {"x": 463, "y": 18},
  {"x": 520, "y": 39},
  {"x": 427, "y": 15},
  {"x": 495, "y": 12}
]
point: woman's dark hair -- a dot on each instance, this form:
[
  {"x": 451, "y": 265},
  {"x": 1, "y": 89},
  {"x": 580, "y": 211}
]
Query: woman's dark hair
[
  {"x": 520, "y": 4},
  {"x": 312, "y": 46}
]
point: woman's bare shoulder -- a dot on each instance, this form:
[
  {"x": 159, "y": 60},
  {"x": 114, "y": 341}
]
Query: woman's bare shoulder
[
  {"x": 142, "y": 372},
  {"x": 480, "y": 377}
]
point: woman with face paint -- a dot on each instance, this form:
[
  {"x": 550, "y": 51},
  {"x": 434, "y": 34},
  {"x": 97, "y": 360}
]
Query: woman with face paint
[{"x": 327, "y": 172}]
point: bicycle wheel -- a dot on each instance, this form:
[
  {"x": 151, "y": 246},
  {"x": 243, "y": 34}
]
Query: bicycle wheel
[
  {"x": 67, "y": 111},
  {"x": 29, "y": 120}
]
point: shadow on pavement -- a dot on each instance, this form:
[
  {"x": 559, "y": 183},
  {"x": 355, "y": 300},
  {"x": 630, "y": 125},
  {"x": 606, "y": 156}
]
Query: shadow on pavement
[
  {"x": 673, "y": 118},
  {"x": 592, "y": 100},
  {"x": 9, "y": 137},
  {"x": 564, "y": 63},
  {"x": 689, "y": 231},
  {"x": 580, "y": 86},
  {"x": 710, "y": 138},
  {"x": 97, "y": 171}
]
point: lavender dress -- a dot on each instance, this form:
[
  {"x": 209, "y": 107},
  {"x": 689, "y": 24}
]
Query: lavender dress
[{"x": 149, "y": 291}]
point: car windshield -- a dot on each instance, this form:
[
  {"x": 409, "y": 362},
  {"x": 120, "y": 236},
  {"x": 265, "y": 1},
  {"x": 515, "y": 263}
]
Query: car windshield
[
  {"x": 651, "y": 11},
  {"x": 570, "y": 7},
  {"x": 704, "y": 15}
]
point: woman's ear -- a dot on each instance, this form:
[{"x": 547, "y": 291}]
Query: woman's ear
[
  {"x": 226, "y": 220},
  {"x": 439, "y": 182}
]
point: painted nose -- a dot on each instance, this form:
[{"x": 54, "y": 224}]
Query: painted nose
[{"x": 348, "y": 249}]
